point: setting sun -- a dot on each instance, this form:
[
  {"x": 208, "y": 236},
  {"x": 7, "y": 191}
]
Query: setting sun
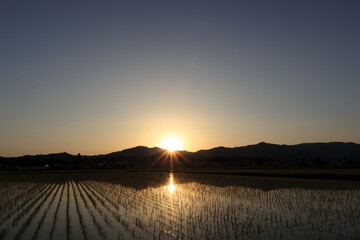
[{"x": 171, "y": 144}]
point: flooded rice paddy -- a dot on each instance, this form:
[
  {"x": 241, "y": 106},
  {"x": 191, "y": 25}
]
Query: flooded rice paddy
[{"x": 143, "y": 205}]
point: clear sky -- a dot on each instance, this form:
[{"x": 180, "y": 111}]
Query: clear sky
[{"x": 100, "y": 76}]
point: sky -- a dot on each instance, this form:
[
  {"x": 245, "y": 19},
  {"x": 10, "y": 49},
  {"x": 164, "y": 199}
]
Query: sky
[{"x": 94, "y": 77}]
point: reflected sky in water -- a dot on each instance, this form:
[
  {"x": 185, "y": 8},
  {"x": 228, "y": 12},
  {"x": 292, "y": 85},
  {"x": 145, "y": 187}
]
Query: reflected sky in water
[
  {"x": 161, "y": 205},
  {"x": 235, "y": 211}
]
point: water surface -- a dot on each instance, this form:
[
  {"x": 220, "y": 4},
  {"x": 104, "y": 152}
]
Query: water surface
[{"x": 143, "y": 205}]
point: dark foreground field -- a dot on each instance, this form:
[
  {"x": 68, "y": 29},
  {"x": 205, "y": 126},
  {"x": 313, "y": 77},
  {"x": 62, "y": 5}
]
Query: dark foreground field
[{"x": 165, "y": 205}]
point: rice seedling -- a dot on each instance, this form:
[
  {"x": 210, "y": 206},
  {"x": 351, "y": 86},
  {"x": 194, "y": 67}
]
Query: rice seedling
[{"x": 100, "y": 208}]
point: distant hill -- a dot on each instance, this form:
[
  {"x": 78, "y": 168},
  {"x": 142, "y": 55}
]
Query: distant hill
[
  {"x": 273, "y": 154},
  {"x": 258, "y": 155}
]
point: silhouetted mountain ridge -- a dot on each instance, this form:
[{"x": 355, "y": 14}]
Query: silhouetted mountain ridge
[
  {"x": 261, "y": 154},
  {"x": 306, "y": 153}
]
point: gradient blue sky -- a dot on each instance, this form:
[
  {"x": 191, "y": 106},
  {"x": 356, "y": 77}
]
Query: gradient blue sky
[{"x": 100, "y": 76}]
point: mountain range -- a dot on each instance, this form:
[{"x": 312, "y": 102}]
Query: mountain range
[{"x": 258, "y": 155}]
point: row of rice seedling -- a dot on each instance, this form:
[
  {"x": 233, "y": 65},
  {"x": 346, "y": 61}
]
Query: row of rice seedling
[
  {"x": 41, "y": 220},
  {"x": 82, "y": 222},
  {"x": 21, "y": 196},
  {"x": 17, "y": 213},
  {"x": 55, "y": 215},
  {"x": 196, "y": 211},
  {"x": 33, "y": 213},
  {"x": 77, "y": 208},
  {"x": 15, "y": 192},
  {"x": 10, "y": 190},
  {"x": 132, "y": 205}
]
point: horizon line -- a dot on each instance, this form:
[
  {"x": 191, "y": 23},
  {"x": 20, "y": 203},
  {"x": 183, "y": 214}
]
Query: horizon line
[{"x": 262, "y": 142}]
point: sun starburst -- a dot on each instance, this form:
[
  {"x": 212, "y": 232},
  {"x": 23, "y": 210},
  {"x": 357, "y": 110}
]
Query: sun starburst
[{"x": 171, "y": 144}]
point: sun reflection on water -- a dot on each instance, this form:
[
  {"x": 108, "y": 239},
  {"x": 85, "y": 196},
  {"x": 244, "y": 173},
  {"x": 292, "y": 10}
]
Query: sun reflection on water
[{"x": 171, "y": 186}]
